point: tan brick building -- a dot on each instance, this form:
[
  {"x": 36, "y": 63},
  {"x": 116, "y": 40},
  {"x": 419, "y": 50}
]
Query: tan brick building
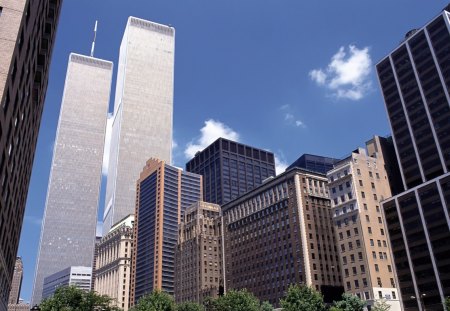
[
  {"x": 113, "y": 262},
  {"x": 198, "y": 255},
  {"x": 357, "y": 185}
]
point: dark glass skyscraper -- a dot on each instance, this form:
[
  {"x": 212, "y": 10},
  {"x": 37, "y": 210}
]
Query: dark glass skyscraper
[
  {"x": 27, "y": 35},
  {"x": 163, "y": 193},
  {"x": 314, "y": 163},
  {"x": 230, "y": 169},
  {"x": 415, "y": 81}
]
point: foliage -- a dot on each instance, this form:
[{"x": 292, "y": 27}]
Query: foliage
[
  {"x": 71, "y": 298},
  {"x": 237, "y": 301},
  {"x": 266, "y": 306},
  {"x": 447, "y": 303},
  {"x": 190, "y": 306},
  {"x": 333, "y": 308},
  {"x": 156, "y": 301},
  {"x": 381, "y": 305},
  {"x": 350, "y": 303},
  {"x": 209, "y": 304},
  {"x": 302, "y": 298}
]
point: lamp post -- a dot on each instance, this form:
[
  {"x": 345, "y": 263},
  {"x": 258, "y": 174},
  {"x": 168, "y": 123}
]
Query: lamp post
[
  {"x": 35, "y": 308},
  {"x": 422, "y": 304}
]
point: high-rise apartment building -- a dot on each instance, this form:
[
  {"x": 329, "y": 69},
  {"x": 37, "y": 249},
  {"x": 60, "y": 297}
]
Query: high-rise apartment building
[
  {"x": 230, "y": 169},
  {"x": 281, "y": 233},
  {"x": 314, "y": 163},
  {"x": 415, "y": 82},
  {"x": 70, "y": 217},
  {"x": 142, "y": 120},
  {"x": 77, "y": 276},
  {"x": 16, "y": 284},
  {"x": 357, "y": 185},
  {"x": 27, "y": 35},
  {"x": 198, "y": 255},
  {"x": 113, "y": 263},
  {"x": 164, "y": 192}
]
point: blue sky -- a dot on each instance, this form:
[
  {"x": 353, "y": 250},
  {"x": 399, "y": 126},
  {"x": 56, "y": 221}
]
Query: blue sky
[{"x": 286, "y": 75}]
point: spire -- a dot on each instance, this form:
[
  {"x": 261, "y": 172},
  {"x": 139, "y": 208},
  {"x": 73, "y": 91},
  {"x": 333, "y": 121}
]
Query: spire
[{"x": 93, "y": 42}]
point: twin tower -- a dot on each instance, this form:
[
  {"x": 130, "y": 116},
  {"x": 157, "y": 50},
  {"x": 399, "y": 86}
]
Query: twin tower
[{"x": 141, "y": 128}]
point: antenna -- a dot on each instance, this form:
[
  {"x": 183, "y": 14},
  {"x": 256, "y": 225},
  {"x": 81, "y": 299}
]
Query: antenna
[{"x": 93, "y": 42}]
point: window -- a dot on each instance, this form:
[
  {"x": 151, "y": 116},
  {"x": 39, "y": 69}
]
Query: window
[
  {"x": 350, "y": 245},
  {"x": 340, "y": 188},
  {"x": 346, "y": 272},
  {"x": 345, "y": 172},
  {"x": 374, "y": 255},
  {"x": 344, "y": 260},
  {"x": 333, "y": 190},
  {"x": 370, "y": 173},
  {"x": 389, "y": 268},
  {"x": 360, "y": 183},
  {"x": 377, "y": 208},
  {"x": 392, "y": 282},
  {"x": 350, "y": 196},
  {"x": 373, "y": 185},
  {"x": 358, "y": 243},
  {"x": 1, "y": 9},
  {"x": 375, "y": 196},
  {"x": 378, "y": 175},
  {"x": 347, "y": 184},
  {"x": 380, "y": 294},
  {"x": 352, "y": 258},
  {"x": 380, "y": 221},
  {"x": 341, "y": 236},
  {"x": 367, "y": 218},
  {"x": 384, "y": 243},
  {"x": 365, "y": 206},
  {"x": 379, "y": 282},
  {"x": 356, "y": 284},
  {"x": 363, "y": 195},
  {"x": 371, "y": 242},
  {"x": 356, "y": 231},
  {"x": 358, "y": 171},
  {"x": 349, "y": 287},
  {"x": 343, "y": 247},
  {"x": 369, "y": 229},
  {"x": 360, "y": 256},
  {"x": 342, "y": 198},
  {"x": 377, "y": 269},
  {"x": 348, "y": 234},
  {"x": 382, "y": 231},
  {"x": 379, "y": 243},
  {"x": 394, "y": 296},
  {"x": 380, "y": 254},
  {"x": 363, "y": 269}
]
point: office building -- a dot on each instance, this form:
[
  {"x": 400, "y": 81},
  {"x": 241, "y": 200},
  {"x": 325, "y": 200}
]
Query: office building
[
  {"x": 230, "y": 169},
  {"x": 113, "y": 263},
  {"x": 20, "y": 306},
  {"x": 415, "y": 83},
  {"x": 98, "y": 239},
  {"x": 163, "y": 194},
  {"x": 27, "y": 35},
  {"x": 281, "y": 233},
  {"x": 77, "y": 276},
  {"x": 198, "y": 255},
  {"x": 142, "y": 120},
  {"x": 314, "y": 163},
  {"x": 16, "y": 284},
  {"x": 357, "y": 185},
  {"x": 70, "y": 217}
]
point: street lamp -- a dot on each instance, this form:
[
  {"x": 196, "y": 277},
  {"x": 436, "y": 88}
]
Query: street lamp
[
  {"x": 35, "y": 308},
  {"x": 422, "y": 304}
]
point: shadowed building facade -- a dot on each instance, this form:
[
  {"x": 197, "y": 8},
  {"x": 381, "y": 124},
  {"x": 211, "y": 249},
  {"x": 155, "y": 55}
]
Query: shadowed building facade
[
  {"x": 198, "y": 255},
  {"x": 163, "y": 194},
  {"x": 142, "y": 120},
  {"x": 70, "y": 217},
  {"x": 27, "y": 35},
  {"x": 415, "y": 82},
  {"x": 230, "y": 169},
  {"x": 281, "y": 233}
]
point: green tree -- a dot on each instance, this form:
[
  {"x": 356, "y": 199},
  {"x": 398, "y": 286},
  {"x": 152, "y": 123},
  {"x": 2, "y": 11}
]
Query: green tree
[
  {"x": 333, "y": 308},
  {"x": 302, "y": 298},
  {"x": 190, "y": 306},
  {"x": 447, "y": 303},
  {"x": 266, "y": 306},
  {"x": 71, "y": 298},
  {"x": 237, "y": 301},
  {"x": 209, "y": 304},
  {"x": 350, "y": 303},
  {"x": 156, "y": 301},
  {"x": 381, "y": 305}
]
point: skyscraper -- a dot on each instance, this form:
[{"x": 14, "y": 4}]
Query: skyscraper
[
  {"x": 16, "y": 285},
  {"x": 357, "y": 185},
  {"x": 314, "y": 163},
  {"x": 281, "y": 233},
  {"x": 164, "y": 192},
  {"x": 198, "y": 255},
  {"x": 27, "y": 35},
  {"x": 230, "y": 169},
  {"x": 142, "y": 125},
  {"x": 70, "y": 217},
  {"x": 415, "y": 82},
  {"x": 77, "y": 276}
]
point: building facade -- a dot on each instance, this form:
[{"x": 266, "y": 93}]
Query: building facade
[
  {"x": 163, "y": 192},
  {"x": 142, "y": 120},
  {"x": 198, "y": 255},
  {"x": 281, "y": 233},
  {"x": 16, "y": 284},
  {"x": 314, "y": 163},
  {"x": 70, "y": 217},
  {"x": 357, "y": 185},
  {"x": 230, "y": 169},
  {"x": 27, "y": 35},
  {"x": 415, "y": 82},
  {"x": 77, "y": 276},
  {"x": 113, "y": 263}
]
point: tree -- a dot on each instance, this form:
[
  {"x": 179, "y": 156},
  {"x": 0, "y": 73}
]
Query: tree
[
  {"x": 333, "y": 308},
  {"x": 447, "y": 303},
  {"x": 190, "y": 306},
  {"x": 381, "y": 305},
  {"x": 266, "y": 306},
  {"x": 237, "y": 301},
  {"x": 70, "y": 298},
  {"x": 156, "y": 301},
  {"x": 302, "y": 298},
  {"x": 209, "y": 304},
  {"x": 350, "y": 303}
]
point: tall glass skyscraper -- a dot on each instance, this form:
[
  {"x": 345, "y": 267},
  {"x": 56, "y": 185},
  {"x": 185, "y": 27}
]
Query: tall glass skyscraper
[
  {"x": 70, "y": 218},
  {"x": 142, "y": 125},
  {"x": 415, "y": 81},
  {"x": 164, "y": 192}
]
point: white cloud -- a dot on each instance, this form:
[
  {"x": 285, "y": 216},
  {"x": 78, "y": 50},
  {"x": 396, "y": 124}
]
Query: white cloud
[
  {"x": 348, "y": 73},
  {"x": 284, "y": 107},
  {"x": 292, "y": 120},
  {"x": 108, "y": 133},
  {"x": 209, "y": 133},
  {"x": 299, "y": 123},
  {"x": 288, "y": 117},
  {"x": 34, "y": 220},
  {"x": 174, "y": 144},
  {"x": 280, "y": 164}
]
